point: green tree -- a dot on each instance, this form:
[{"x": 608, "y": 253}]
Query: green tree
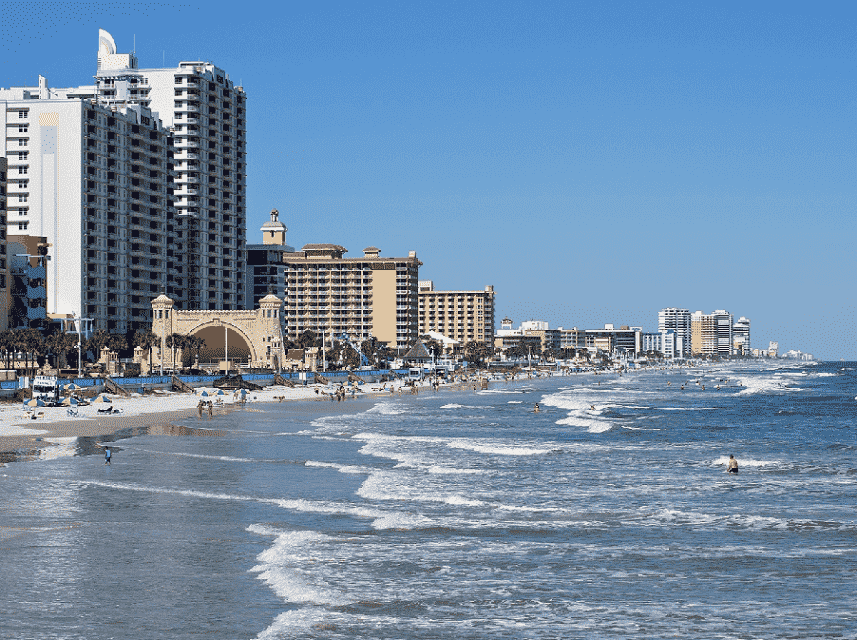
[{"x": 307, "y": 339}]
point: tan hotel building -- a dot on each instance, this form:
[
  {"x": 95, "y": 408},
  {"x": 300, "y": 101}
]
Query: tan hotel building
[
  {"x": 465, "y": 316},
  {"x": 360, "y": 297}
]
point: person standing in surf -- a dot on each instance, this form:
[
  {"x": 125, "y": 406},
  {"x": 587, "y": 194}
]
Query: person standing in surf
[
  {"x": 732, "y": 465},
  {"x": 107, "y": 455}
]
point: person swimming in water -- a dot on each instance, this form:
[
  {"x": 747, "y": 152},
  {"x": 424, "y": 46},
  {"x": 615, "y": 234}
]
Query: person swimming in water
[
  {"x": 537, "y": 408},
  {"x": 732, "y": 465}
]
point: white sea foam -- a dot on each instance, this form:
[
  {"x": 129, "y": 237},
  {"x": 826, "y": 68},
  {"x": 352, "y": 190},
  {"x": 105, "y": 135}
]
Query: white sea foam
[
  {"x": 764, "y": 385},
  {"x": 284, "y": 568},
  {"x": 582, "y": 411},
  {"x": 824, "y": 375},
  {"x": 745, "y": 462},
  {"x": 65, "y": 448},
  {"x": 515, "y": 402},
  {"x": 497, "y": 449},
  {"x": 459, "y": 406},
  {"x": 342, "y": 468},
  {"x": 200, "y": 456},
  {"x": 388, "y": 409},
  {"x": 313, "y": 506},
  {"x": 402, "y": 521}
]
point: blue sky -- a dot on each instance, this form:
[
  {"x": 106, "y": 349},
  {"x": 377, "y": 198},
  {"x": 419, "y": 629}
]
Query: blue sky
[{"x": 595, "y": 162}]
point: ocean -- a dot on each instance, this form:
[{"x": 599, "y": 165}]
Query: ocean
[{"x": 456, "y": 514}]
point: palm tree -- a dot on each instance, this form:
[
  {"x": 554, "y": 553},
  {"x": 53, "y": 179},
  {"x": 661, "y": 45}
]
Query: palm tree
[
  {"x": 174, "y": 341},
  {"x": 146, "y": 339},
  {"x": 193, "y": 342}
]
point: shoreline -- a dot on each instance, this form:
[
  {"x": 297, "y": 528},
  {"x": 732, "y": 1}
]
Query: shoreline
[{"x": 23, "y": 439}]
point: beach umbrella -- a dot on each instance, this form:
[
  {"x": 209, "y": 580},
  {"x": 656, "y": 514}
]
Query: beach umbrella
[
  {"x": 220, "y": 393},
  {"x": 35, "y": 402},
  {"x": 204, "y": 394},
  {"x": 101, "y": 398}
]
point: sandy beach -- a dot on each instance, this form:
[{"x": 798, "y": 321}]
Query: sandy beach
[{"x": 22, "y": 437}]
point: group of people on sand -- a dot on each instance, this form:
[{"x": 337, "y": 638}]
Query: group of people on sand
[{"x": 205, "y": 405}]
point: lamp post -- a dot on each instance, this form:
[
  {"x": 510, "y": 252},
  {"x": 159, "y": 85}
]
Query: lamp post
[{"x": 79, "y": 324}]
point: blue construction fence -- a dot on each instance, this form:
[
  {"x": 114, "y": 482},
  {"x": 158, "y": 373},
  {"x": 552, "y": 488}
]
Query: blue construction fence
[{"x": 201, "y": 381}]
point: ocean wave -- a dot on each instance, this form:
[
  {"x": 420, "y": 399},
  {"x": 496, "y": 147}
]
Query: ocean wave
[
  {"x": 497, "y": 449},
  {"x": 401, "y": 521},
  {"x": 342, "y": 468},
  {"x": 745, "y": 462},
  {"x": 388, "y": 409},
  {"x": 459, "y": 406},
  {"x": 283, "y": 567}
]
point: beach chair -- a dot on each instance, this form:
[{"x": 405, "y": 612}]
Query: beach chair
[{"x": 73, "y": 413}]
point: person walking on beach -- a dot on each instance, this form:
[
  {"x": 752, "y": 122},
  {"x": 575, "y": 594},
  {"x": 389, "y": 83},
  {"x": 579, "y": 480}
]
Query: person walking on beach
[
  {"x": 107, "y": 455},
  {"x": 732, "y": 465}
]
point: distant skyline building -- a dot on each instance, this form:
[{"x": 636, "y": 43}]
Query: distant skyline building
[
  {"x": 678, "y": 345},
  {"x": 741, "y": 336},
  {"x": 4, "y": 260},
  {"x": 711, "y": 334}
]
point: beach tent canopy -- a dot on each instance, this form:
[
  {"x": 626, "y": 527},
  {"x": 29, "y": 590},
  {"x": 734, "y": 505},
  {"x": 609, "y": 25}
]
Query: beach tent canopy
[
  {"x": 101, "y": 398},
  {"x": 35, "y": 402},
  {"x": 71, "y": 387},
  {"x": 69, "y": 402}
]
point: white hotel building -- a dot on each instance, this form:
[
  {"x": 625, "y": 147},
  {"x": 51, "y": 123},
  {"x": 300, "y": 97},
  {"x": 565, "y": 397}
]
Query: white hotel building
[
  {"x": 675, "y": 329},
  {"x": 133, "y": 203}
]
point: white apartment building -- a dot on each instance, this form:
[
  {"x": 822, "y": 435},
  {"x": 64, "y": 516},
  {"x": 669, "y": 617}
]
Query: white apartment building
[
  {"x": 678, "y": 321},
  {"x": 741, "y": 336},
  {"x": 138, "y": 184},
  {"x": 654, "y": 342},
  {"x": 206, "y": 116},
  {"x": 92, "y": 180}
]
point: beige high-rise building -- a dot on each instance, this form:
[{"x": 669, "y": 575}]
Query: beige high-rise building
[
  {"x": 711, "y": 334},
  {"x": 465, "y": 316},
  {"x": 4, "y": 264},
  {"x": 359, "y": 297}
]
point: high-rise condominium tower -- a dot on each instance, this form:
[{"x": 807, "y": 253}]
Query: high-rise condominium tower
[
  {"x": 677, "y": 343},
  {"x": 205, "y": 114},
  {"x": 92, "y": 180}
]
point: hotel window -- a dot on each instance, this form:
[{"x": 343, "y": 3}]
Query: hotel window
[
  {"x": 22, "y": 197},
  {"x": 22, "y": 114},
  {"x": 22, "y": 142},
  {"x": 22, "y": 226},
  {"x": 22, "y": 170},
  {"x": 22, "y": 155}
]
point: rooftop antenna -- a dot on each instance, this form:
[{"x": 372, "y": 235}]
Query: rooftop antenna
[{"x": 135, "y": 43}]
